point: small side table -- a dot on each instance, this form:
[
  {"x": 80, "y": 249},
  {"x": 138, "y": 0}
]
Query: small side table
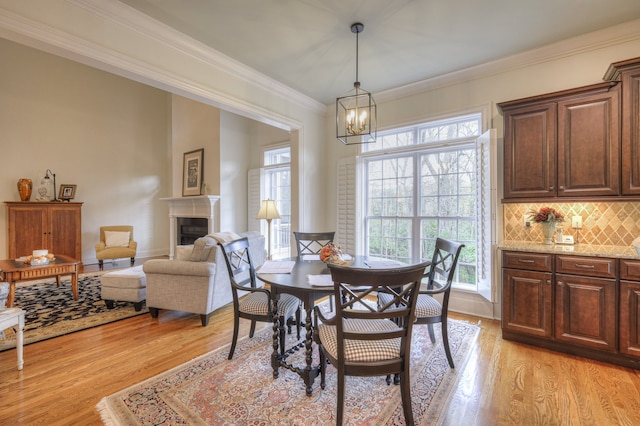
[{"x": 14, "y": 317}]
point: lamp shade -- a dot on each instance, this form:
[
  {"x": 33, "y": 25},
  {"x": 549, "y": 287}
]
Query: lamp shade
[{"x": 268, "y": 210}]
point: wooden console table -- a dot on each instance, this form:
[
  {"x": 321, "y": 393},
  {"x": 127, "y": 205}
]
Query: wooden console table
[{"x": 13, "y": 271}]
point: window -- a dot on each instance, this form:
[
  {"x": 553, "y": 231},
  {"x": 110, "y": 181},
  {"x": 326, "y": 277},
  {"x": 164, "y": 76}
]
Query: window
[
  {"x": 276, "y": 185},
  {"x": 420, "y": 183}
]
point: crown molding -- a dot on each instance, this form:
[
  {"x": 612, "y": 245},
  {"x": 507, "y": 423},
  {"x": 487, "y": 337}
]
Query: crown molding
[{"x": 626, "y": 32}]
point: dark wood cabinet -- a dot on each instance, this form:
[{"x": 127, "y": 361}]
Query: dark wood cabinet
[
  {"x": 630, "y": 307},
  {"x": 628, "y": 74},
  {"x": 54, "y": 226},
  {"x": 527, "y": 293},
  {"x": 563, "y": 144},
  {"x": 582, "y": 305}
]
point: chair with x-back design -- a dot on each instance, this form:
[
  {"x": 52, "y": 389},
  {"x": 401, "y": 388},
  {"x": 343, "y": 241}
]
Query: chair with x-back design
[
  {"x": 250, "y": 301},
  {"x": 311, "y": 243}
]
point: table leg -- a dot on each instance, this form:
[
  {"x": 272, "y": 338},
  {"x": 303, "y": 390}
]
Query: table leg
[
  {"x": 58, "y": 280},
  {"x": 74, "y": 284},
  {"x": 308, "y": 379},
  {"x": 12, "y": 293},
  {"x": 275, "y": 362},
  {"x": 20, "y": 340}
]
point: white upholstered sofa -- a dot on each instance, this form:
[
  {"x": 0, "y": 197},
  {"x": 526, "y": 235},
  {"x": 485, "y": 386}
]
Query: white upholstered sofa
[{"x": 197, "y": 279}]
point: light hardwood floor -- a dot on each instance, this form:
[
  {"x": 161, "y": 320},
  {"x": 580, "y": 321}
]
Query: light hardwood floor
[{"x": 504, "y": 383}]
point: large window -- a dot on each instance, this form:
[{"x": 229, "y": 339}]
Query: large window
[
  {"x": 276, "y": 185},
  {"x": 420, "y": 184}
]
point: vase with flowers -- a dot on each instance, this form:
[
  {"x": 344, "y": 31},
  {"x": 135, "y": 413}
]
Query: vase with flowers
[{"x": 547, "y": 217}]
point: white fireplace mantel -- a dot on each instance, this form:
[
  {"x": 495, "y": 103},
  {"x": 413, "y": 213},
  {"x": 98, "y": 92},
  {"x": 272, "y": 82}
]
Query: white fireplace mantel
[{"x": 202, "y": 206}]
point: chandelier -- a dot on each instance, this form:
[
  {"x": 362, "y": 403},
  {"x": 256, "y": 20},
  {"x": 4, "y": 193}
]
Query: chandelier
[{"x": 356, "y": 116}]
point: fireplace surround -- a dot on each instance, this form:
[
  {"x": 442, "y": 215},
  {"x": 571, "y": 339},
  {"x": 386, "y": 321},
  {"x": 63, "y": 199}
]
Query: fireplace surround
[{"x": 191, "y": 216}]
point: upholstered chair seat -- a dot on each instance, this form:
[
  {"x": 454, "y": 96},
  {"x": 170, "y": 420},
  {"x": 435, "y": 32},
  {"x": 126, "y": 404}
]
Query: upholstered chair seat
[{"x": 116, "y": 242}]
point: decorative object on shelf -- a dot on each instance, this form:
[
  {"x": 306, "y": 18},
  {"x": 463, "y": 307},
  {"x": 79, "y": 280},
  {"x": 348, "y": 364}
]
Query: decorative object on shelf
[
  {"x": 636, "y": 245},
  {"x": 332, "y": 253},
  {"x": 192, "y": 172},
  {"x": 67, "y": 192},
  {"x": 269, "y": 211},
  {"x": 547, "y": 217},
  {"x": 25, "y": 186},
  {"x": 46, "y": 183},
  {"x": 356, "y": 112}
]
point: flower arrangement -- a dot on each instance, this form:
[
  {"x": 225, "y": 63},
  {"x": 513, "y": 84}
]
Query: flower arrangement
[{"x": 546, "y": 215}]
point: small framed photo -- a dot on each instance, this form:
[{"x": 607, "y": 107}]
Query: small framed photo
[
  {"x": 193, "y": 172},
  {"x": 67, "y": 192}
]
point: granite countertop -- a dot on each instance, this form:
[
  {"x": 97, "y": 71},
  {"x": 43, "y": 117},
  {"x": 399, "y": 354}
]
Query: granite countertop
[{"x": 619, "y": 252}]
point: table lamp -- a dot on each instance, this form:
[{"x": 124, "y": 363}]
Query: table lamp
[{"x": 268, "y": 211}]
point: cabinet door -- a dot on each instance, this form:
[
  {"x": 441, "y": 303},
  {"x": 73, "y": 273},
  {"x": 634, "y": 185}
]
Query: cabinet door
[
  {"x": 526, "y": 304},
  {"x": 586, "y": 312},
  {"x": 589, "y": 145},
  {"x": 27, "y": 230},
  {"x": 530, "y": 151},
  {"x": 630, "y": 318},
  {"x": 631, "y": 130},
  {"x": 65, "y": 230}
]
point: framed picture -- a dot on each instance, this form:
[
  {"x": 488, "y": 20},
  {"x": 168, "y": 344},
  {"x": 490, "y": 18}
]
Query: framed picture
[
  {"x": 67, "y": 192},
  {"x": 192, "y": 172}
]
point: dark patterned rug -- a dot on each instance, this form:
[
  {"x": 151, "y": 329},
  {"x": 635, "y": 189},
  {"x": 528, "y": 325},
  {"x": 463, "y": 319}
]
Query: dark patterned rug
[{"x": 50, "y": 311}]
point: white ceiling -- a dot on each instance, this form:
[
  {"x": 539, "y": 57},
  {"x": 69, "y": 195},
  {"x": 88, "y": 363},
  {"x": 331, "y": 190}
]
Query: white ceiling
[{"x": 308, "y": 44}]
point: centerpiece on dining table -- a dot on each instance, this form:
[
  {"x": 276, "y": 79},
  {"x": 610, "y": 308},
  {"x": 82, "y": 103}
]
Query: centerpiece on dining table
[
  {"x": 547, "y": 217},
  {"x": 332, "y": 253}
]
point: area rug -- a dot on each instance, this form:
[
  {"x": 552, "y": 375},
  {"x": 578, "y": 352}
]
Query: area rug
[
  {"x": 211, "y": 390},
  {"x": 50, "y": 311}
]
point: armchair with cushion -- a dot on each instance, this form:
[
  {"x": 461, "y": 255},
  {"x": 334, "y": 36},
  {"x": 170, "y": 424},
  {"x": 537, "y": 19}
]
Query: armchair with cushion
[
  {"x": 197, "y": 280},
  {"x": 116, "y": 242}
]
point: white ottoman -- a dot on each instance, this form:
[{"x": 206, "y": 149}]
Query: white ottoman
[{"x": 126, "y": 285}]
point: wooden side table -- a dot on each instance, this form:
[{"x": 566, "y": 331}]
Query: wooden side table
[{"x": 14, "y": 317}]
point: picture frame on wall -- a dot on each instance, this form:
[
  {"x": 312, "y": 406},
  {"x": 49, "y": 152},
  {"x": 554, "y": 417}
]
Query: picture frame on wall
[
  {"x": 193, "y": 172},
  {"x": 67, "y": 192}
]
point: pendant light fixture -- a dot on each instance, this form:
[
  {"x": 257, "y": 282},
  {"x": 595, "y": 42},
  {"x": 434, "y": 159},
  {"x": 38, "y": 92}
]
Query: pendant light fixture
[{"x": 356, "y": 115}]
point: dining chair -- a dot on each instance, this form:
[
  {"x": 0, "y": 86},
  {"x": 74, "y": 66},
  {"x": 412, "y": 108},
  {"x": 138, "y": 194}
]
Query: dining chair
[
  {"x": 311, "y": 243},
  {"x": 250, "y": 301},
  {"x": 367, "y": 338},
  {"x": 439, "y": 278}
]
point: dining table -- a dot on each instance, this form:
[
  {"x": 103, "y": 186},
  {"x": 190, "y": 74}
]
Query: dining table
[{"x": 309, "y": 280}]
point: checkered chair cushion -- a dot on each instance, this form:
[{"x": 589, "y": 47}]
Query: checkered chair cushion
[
  {"x": 361, "y": 350},
  {"x": 426, "y": 306},
  {"x": 257, "y": 303}
]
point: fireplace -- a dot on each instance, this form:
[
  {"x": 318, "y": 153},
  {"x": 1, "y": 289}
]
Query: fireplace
[
  {"x": 190, "y": 218},
  {"x": 190, "y": 229}
]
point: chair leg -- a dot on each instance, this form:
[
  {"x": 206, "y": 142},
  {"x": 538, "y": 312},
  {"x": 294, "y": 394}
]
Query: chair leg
[
  {"x": 101, "y": 264},
  {"x": 133, "y": 260},
  {"x": 204, "y": 319},
  {"x": 432, "y": 335},
  {"x": 405, "y": 392},
  {"x": 109, "y": 304},
  {"x": 340, "y": 399},
  {"x": 323, "y": 369},
  {"x": 154, "y": 312},
  {"x": 283, "y": 336},
  {"x": 298, "y": 322},
  {"x": 445, "y": 341},
  {"x": 236, "y": 325},
  {"x": 253, "y": 328}
]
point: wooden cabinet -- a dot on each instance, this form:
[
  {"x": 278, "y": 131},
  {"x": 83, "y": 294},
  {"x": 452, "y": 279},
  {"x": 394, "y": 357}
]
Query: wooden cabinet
[
  {"x": 628, "y": 73},
  {"x": 630, "y": 307},
  {"x": 54, "y": 226},
  {"x": 563, "y": 144},
  {"x": 527, "y": 297},
  {"x": 585, "y": 307},
  {"x": 582, "y": 305}
]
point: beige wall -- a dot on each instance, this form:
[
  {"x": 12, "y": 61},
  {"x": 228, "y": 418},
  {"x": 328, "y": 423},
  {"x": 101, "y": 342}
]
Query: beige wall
[{"x": 104, "y": 133}]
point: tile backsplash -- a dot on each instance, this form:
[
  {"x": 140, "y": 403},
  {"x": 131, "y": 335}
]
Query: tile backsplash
[{"x": 603, "y": 223}]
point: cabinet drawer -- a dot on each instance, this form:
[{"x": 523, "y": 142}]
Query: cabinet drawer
[
  {"x": 588, "y": 266},
  {"x": 630, "y": 270},
  {"x": 529, "y": 261}
]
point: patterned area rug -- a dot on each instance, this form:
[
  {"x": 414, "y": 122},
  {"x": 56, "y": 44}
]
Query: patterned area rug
[
  {"x": 50, "y": 311},
  {"x": 211, "y": 390}
]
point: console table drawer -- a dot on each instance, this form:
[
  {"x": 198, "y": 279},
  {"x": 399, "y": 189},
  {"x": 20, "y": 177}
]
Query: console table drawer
[{"x": 588, "y": 266}]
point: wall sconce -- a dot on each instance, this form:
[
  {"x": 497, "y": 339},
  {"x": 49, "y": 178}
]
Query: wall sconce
[
  {"x": 268, "y": 211},
  {"x": 46, "y": 182}
]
